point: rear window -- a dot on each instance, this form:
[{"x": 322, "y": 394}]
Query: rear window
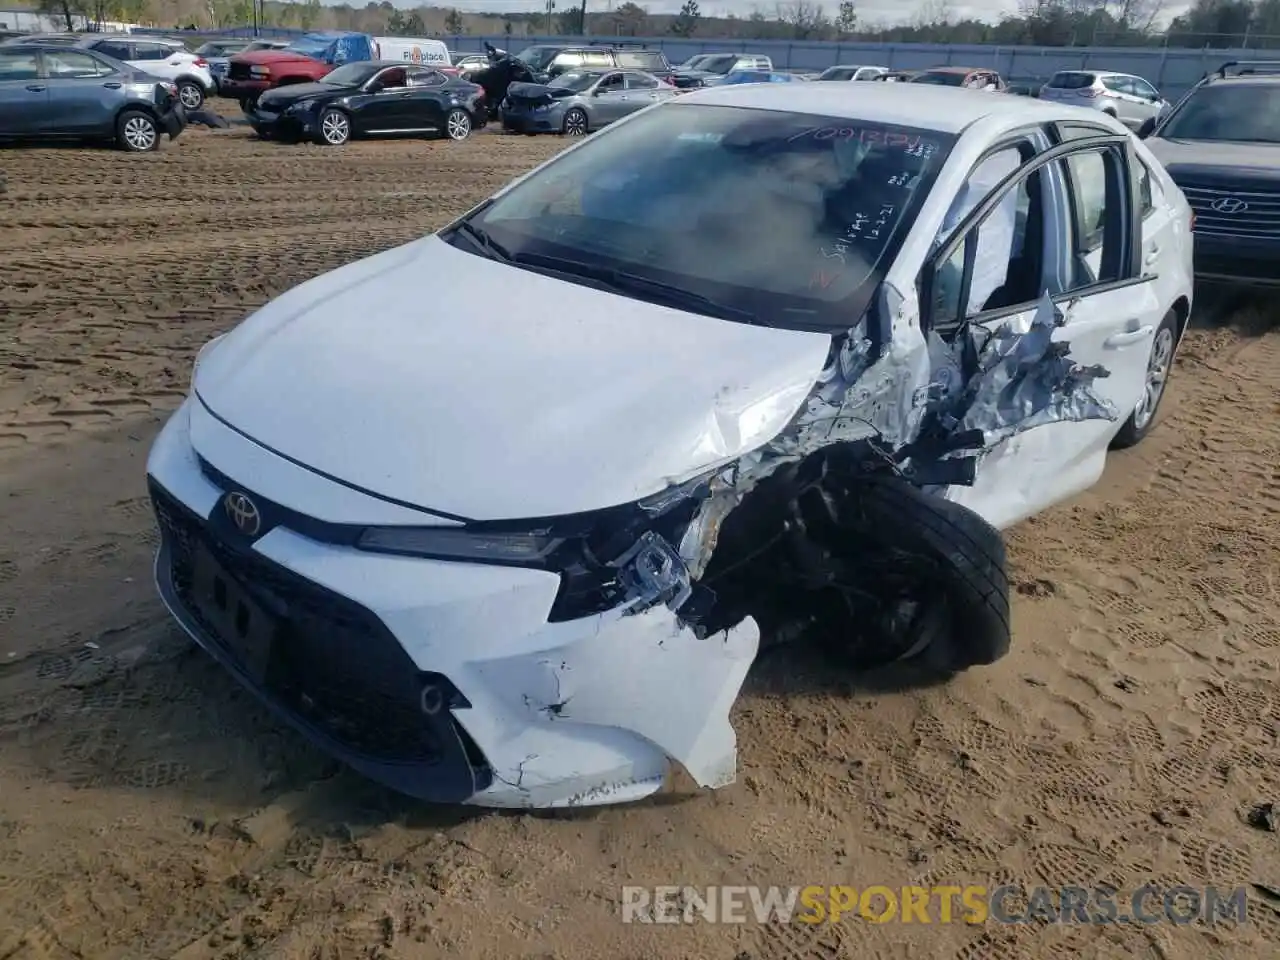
[
  {"x": 1072, "y": 80},
  {"x": 838, "y": 73},
  {"x": 651, "y": 60},
  {"x": 665, "y": 195},
  {"x": 941, "y": 79}
]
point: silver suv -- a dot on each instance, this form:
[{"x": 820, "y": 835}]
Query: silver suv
[{"x": 1129, "y": 99}]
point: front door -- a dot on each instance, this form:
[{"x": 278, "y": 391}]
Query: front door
[
  {"x": 384, "y": 107},
  {"x": 609, "y": 100},
  {"x": 1058, "y": 238},
  {"x": 24, "y": 96},
  {"x": 84, "y": 92}
]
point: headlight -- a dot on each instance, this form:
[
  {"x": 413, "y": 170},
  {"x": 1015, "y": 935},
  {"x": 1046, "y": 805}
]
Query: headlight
[
  {"x": 452, "y": 543},
  {"x": 302, "y": 106},
  {"x": 260, "y": 71}
]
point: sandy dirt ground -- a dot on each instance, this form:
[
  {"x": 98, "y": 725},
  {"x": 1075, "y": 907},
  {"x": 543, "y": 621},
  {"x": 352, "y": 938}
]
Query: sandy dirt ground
[{"x": 149, "y": 809}]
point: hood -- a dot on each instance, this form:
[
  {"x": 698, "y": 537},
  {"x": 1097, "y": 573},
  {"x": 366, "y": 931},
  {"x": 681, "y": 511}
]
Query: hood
[
  {"x": 272, "y": 57},
  {"x": 435, "y": 377},
  {"x": 1211, "y": 160},
  {"x": 539, "y": 91},
  {"x": 299, "y": 91}
]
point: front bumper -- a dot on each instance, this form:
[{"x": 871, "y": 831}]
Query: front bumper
[
  {"x": 550, "y": 120},
  {"x": 1237, "y": 261},
  {"x": 585, "y": 712},
  {"x": 281, "y": 126},
  {"x": 242, "y": 89}
]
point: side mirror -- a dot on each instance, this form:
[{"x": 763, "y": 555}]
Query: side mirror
[
  {"x": 597, "y": 91},
  {"x": 1148, "y": 125}
]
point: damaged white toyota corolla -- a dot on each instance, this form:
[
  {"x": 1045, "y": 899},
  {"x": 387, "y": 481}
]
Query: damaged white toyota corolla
[{"x": 753, "y": 358}]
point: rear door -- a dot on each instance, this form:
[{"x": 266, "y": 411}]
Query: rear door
[
  {"x": 426, "y": 103},
  {"x": 643, "y": 89},
  {"x": 84, "y": 92},
  {"x": 1059, "y": 232},
  {"x": 24, "y": 95},
  {"x": 609, "y": 100}
]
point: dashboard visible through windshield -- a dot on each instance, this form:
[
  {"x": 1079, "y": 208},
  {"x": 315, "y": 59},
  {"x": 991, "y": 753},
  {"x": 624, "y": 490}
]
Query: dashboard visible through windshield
[{"x": 781, "y": 218}]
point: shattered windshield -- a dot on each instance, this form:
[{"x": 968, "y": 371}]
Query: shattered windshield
[
  {"x": 1241, "y": 113},
  {"x": 536, "y": 57},
  {"x": 776, "y": 218}
]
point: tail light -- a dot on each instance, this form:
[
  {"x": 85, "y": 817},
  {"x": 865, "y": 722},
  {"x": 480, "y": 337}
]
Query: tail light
[
  {"x": 1089, "y": 92},
  {"x": 201, "y": 62}
]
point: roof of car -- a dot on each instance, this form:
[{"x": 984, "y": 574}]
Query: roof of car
[
  {"x": 963, "y": 70},
  {"x": 945, "y": 109}
]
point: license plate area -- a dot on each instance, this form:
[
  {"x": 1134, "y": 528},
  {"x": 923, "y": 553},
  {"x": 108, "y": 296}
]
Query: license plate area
[{"x": 244, "y": 627}]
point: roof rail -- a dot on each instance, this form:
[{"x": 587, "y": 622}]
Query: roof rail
[
  {"x": 617, "y": 43},
  {"x": 1245, "y": 67}
]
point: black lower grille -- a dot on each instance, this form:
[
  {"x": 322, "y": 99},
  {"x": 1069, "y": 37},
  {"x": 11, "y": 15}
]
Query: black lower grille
[
  {"x": 333, "y": 663},
  {"x": 238, "y": 71}
]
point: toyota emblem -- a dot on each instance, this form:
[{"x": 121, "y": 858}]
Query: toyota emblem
[
  {"x": 1230, "y": 205},
  {"x": 243, "y": 512}
]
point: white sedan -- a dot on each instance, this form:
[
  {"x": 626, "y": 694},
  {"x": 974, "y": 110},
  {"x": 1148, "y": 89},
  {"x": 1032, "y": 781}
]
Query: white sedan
[{"x": 757, "y": 357}]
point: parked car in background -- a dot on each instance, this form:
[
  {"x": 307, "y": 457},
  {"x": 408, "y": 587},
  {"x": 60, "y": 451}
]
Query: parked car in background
[
  {"x": 1221, "y": 146},
  {"x": 1024, "y": 88},
  {"x": 760, "y": 76},
  {"x": 1128, "y": 98},
  {"x": 580, "y": 101},
  {"x": 371, "y": 99},
  {"x": 741, "y": 409},
  {"x": 717, "y": 66},
  {"x": 898, "y": 76},
  {"x": 970, "y": 78},
  {"x": 166, "y": 59},
  {"x": 548, "y": 61},
  {"x": 852, "y": 72},
  {"x": 304, "y": 60},
  {"x": 694, "y": 62},
  {"x": 55, "y": 37},
  {"x": 416, "y": 50},
  {"x": 466, "y": 63},
  {"x": 53, "y": 91},
  {"x": 219, "y": 53}
]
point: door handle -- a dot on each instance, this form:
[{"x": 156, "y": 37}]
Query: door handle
[
  {"x": 1152, "y": 256},
  {"x": 405, "y": 95},
  {"x": 1128, "y": 338},
  {"x": 112, "y": 85},
  {"x": 36, "y": 87}
]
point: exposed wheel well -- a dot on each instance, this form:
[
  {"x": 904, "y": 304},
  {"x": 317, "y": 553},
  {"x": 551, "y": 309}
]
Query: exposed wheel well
[{"x": 1182, "y": 310}]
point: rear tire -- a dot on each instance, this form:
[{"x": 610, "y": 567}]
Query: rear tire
[
  {"x": 137, "y": 132},
  {"x": 1159, "y": 368},
  {"x": 457, "y": 124}
]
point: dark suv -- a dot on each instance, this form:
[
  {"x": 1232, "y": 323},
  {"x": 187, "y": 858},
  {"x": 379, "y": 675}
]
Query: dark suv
[
  {"x": 1221, "y": 145},
  {"x": 548, "y": 60}
]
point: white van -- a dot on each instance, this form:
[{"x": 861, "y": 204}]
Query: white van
[{"x": 412, "y": 50}]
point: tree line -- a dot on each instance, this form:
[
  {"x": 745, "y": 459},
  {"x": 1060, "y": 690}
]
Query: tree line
[{"x": 1208, "y": 23}]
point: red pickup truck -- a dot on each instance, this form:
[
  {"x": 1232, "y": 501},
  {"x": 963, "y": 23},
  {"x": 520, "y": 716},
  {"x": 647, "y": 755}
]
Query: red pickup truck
[{"x": 305, "y": 60}]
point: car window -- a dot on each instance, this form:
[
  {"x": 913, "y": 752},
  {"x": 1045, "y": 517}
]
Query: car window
[
  {"x": 113, "y": 48},
  {"x": 151, "y": 51},
  {"x": 1071, "y": 80},
  {"x": 639, "y": 81},
  {"x": 642, "y": 59},
  {"x": 940, "y": 79},
  {"x": 1144, "y": 89},
  {"x": 425, "y": 78},
  {"x": 611, "y": 84},
  {"x": 1095, "y": 199},
  {"x": 1145, "y": 188},
  {"x": 664, "y": 196},
  {"x": 392, "y": 79},
  {"x": 597, "y": 59},
  {"x": 71, "y": 64},
  {"x": 19, "y": 66}
]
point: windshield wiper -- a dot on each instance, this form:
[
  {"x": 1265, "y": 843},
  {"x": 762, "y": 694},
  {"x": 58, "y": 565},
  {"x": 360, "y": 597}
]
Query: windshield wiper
[
  {"x": 480, "y": 238},
  {"x": 619, "y": 281}
]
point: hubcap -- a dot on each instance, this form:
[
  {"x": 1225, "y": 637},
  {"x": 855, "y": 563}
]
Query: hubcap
[
  {"x": 1157, "y": 377},
  {"x": 335, "y": 128},
  {"x": 190, "y": 97},
  {"x": 576, "y": 125},
  {"x": 139, "y": 133},
  {"x": 459, "y": 125}
]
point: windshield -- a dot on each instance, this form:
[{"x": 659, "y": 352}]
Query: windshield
[
  {"x": 941, "y": 79},
  {"x": 719, "y": 64},
  {"x": 537, "y": 57},
  {"x": 311, "y": 46},
  {"x": 695, "y": 62},
  {"x": 350, "y": 75},
  {"x": 838, "y": 73},
  {"x": 1240, "y": 112},
  {"x": 781, "y": 219},
  {"x": 577, "y": 81},
  {"x": 217, "y": 48}
]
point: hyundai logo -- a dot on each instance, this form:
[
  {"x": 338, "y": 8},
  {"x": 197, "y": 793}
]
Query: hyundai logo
[
  {"x": 243, "y": 512},
  {"x": 1229, "y": 205}
]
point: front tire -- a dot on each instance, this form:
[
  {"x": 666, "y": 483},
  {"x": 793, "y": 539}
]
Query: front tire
[
  {"x": 334, "y": 129},
  {"x": 190, "y": 94},
  {"x": 1159, "y": 367},
  {"x": 457, "y": 124},
  {"x": 575, "y": 123},
  {"x": 137, "y": 132}
]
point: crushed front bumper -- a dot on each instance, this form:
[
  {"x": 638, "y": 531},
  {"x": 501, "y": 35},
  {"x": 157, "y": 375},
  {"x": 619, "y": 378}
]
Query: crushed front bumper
[
  {"x": 174, "y": 121},
  {"x": 441, "y": 680},
  {"x": 549, "y": 120}
]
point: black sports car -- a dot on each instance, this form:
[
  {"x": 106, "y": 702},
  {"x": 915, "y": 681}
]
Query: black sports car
[{"x": 371, "y": 99}]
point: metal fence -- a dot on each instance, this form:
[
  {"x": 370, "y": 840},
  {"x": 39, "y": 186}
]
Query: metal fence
[{"x": 1172, "y": 70}]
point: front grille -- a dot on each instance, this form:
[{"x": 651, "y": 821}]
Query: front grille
[
  {"x": 1258, "y": 220},
  {"x": 238, "y": 71},
  {"x": 334, "y": 664}
]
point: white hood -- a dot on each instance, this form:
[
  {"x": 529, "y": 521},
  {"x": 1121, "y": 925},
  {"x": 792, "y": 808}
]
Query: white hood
[{"x": 439, "y": 378}]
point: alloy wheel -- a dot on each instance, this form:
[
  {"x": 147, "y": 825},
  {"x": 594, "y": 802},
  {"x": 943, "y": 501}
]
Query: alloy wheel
[
  {"x": 335, "y": 128},
  {"x": 458, "y": 125},
  {"x": 575, "y": 124},
  {"x": 1157, "y": 376},
  {"x": 140, "y": 133}
]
